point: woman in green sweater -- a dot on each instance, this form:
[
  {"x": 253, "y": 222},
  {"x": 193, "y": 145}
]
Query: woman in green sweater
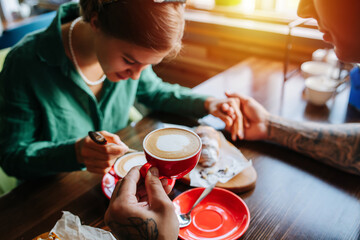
[{"x": 83, "y": 73}]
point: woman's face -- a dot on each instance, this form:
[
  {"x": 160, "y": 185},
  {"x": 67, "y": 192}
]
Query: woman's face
[
  {"x": 121, "y": 60},
  {"x": 340, "y": 23}
]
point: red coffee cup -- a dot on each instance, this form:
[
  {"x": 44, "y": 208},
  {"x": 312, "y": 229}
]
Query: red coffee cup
[{"x": 174, "y": 151}]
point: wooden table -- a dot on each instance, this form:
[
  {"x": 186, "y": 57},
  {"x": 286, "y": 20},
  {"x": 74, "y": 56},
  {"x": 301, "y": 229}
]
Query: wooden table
[{"x": 295, "y": 197}]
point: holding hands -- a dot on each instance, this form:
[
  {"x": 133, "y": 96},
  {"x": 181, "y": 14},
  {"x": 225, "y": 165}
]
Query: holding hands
[
  {"x": 229, "y": 112},
  {"x": 99, "y": 158},
  {"x": 255, "y": 115},
  {"x": 243, "y": 116}
]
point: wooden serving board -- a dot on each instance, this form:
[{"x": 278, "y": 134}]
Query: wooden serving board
[{"x": 242, "y": 182}]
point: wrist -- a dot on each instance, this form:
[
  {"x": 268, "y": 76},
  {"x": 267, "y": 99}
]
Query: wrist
[
  {"x": 78, "y": 145},
  {"x": 207, "y": 103},
  {"x": 271, "y": 124}
]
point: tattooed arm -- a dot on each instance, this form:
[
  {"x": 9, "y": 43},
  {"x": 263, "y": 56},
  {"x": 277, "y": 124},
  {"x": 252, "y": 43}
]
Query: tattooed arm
[
  {"x": 136, "y": 229},
  {"x": 142, "y": 211},
  {"x": 336, "y": 145}
]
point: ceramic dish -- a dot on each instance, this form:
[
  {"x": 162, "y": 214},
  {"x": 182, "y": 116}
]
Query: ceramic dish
[{"x": 220, "y": 215}]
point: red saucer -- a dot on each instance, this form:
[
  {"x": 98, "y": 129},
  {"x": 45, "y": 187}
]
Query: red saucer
[
  {"x": 108, "y": 183},
  {"x": 220, "y": 215},
  {"x": 110, "y": 179}
]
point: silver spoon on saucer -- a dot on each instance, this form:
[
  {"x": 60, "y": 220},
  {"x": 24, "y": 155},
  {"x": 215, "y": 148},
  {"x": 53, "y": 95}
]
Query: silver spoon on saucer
[{"x": 185, "y": 218}]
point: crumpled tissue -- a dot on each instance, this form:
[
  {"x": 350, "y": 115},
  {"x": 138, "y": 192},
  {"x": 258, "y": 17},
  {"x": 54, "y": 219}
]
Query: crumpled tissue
[
  {"x": 69, "y": 227},
  {"x": 231, "y": 162}
]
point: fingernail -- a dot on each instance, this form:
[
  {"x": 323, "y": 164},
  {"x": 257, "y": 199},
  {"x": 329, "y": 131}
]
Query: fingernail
[{"x": 154, "y": 171}]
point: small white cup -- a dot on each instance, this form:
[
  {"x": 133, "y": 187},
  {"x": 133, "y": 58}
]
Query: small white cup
[
  {"x": 314, "y": 68},
  {"x": 123, "y": 165},
  {"x": 319, "y": 89}
]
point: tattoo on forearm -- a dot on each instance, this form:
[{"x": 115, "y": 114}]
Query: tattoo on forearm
[
  {"x": 336, "y": 145},
  {"x": 136, "y": 230}
]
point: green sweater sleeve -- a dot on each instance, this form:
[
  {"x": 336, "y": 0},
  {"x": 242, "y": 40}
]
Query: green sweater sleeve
[
  {"x": 24, "y": 150},
  {"x": 173, "y": 98}
]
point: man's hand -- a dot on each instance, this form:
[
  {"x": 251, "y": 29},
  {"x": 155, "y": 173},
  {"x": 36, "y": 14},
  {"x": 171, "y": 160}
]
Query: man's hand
[
  {"x": 141, "y": 210},
  {"x": 228, "y": 111},
  {"x": 256, "y": 117}
]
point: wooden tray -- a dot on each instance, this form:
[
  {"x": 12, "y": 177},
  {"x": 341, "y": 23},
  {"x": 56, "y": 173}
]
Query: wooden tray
[{"x": 242, "y": 182}]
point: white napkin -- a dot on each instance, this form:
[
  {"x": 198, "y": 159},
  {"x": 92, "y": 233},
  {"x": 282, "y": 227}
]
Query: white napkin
[
  {"x": 231, "y": 162},
  {"x": 69, "y": 227}
]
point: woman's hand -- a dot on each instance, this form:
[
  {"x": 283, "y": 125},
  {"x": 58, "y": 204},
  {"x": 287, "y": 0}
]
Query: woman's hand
[
  {"x": 142, "y": 210},
  {"x": 256, "y": 117},
  {"x": 100, "y": 158},
  {"x": 228, "y": 110}
]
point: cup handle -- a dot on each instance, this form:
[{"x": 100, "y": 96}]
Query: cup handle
[
  {"x": 306, "y": 94},
  {"x": 113, "y": 173},
  {"x": 171, "y": 182},
  {"x": 144, "y": 169}
]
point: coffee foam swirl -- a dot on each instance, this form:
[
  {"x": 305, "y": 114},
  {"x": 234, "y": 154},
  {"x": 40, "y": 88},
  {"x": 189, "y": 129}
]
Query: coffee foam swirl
[{"x": 172, "y": 143}]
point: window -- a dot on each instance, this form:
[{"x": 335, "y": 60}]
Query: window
[{"x": 273, "y": 10}]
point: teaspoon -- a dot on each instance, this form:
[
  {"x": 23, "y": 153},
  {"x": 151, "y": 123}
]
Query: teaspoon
[{"x": 185, "y": 218}]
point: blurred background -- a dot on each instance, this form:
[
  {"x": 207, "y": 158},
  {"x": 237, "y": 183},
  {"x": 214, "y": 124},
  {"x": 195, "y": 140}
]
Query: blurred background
[
  {"x": 285, "y": 8},
  {"x": 20, "y": 17},
  {"x": 222, "y": 33},
  {"x": 15, "y": 10},
  {"x": 218, "y": 34}
]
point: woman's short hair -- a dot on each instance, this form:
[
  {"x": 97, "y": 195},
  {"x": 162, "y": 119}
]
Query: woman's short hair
[{"x": 157, "y": 26}]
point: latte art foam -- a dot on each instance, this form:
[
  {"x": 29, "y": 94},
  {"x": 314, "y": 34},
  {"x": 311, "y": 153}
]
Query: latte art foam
[{"x": 172, "y": 143}]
